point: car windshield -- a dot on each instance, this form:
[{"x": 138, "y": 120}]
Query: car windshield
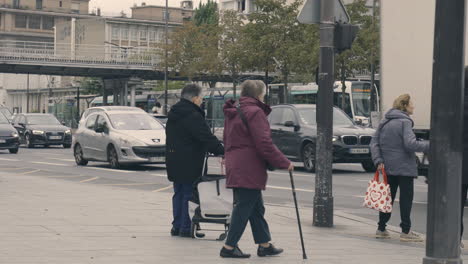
[
  {"x": 134, "y": 121},
  {"x": 3, "y": 119},
  {"x": 6, "y": 112},
  {"x": 42, "y": 120},
  {"x": 308, "y": 116}
]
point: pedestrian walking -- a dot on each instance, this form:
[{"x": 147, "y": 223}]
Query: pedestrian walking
[
  {"x": 249, "y": 150},
  {"x": 188, "y": 139},
  {"x": 393, "y": 148},
  {"x": 465, "y": 157}
]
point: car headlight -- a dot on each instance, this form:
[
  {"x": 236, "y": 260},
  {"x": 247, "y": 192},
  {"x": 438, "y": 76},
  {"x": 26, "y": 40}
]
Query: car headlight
[
  {"x": 14, "y": 134},
  {"x": 335, "y": 138},
  {"x": 38, "y": 132},
  {"x": 68, "y": 132}
]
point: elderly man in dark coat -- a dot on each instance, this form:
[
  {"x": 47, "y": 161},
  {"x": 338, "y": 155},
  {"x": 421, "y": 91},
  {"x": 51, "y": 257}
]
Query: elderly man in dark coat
[{"x": 188, "y": 139}]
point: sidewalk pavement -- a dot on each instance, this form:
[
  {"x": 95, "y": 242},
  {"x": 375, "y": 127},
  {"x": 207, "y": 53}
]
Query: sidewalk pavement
[{"x": 50, "y": 220}]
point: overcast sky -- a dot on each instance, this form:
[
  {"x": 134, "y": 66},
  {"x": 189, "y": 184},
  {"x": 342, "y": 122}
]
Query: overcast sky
[{"x": 111, "y": 7}]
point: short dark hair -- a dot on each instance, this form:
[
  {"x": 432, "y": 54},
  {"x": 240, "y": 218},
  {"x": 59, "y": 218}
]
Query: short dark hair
[{"x": 190, "y": 91}]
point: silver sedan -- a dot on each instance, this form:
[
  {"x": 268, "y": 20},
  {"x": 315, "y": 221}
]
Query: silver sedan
[{"x": 120, "y": 137}]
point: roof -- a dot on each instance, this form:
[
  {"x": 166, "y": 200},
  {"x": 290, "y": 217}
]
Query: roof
[{"x": 117, "y": 108}]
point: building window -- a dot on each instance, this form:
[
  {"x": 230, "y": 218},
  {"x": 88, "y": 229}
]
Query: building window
[
  {"x": 20, "y": 21},
  {"x": 153, "y": 36},
  {"x": 38, "y": 4},
  {"x": 241, "y": 5},
  {"x": 75, "y": 8},
  {"x": 115, "y": 33},
  {"x": 164, "y": 15},
  {"x": 60, "y": 4},
  {"x": 34, "y": 22},
  {"x": 134, "y": 34},
  {"x": 143, "y": 35},
  {"x": 124, "y": 33},
  {"x": 48, "y": 23},
  {"x": 16, "y": 3}
]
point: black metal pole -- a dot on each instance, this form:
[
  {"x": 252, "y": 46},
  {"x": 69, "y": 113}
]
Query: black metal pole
[
  {"x": 78, "y": 103},
  {"x": 27, "y": 95},
  {"x": 444, "y": 203},
  {"x": 293, "y": 188},
  {"x": 166, "y": 18},
  {"x": 373, "y": 94},
  {"x": 323, "y": 200}
]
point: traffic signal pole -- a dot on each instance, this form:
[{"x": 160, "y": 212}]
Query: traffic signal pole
[
  {"x": 445, "y": 172},
  {"x": 323, "y": 199}
]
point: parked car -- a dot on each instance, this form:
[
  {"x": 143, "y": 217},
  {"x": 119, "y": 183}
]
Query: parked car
[
  {"x": 161, "y": 118},
  {"x": 91, "y": 110},
  {"x": 294, "y": 131},
  {"x": 9, "y": 138},
  {"x": 42, "y": 129},
  {"x": 6, "y": 112},
  {"x": 119, "y": 137}
]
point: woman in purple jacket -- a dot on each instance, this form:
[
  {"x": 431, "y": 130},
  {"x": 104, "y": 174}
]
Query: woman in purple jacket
[{"x": 248, "y": 150}]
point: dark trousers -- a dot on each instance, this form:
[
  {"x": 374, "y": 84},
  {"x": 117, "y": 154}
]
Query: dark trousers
[
  {"x": 180, "y": 199},
  {"x": 463, "y": 203},
  {"x": 406, "y": 185},
  {"x": 248, "y": 207}
]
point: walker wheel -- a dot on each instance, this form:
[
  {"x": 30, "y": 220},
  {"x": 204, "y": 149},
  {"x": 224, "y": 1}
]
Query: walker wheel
[{"x": 222, "y": 237}]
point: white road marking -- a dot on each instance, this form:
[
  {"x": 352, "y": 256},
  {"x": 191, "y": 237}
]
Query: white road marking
[
  {"x": 159, "y": 175},
  {"x": 88, "y": 180},
  {"x": 48, "y": 163},
  {"x": 62, "y": 159},
  {"x": 129, "y": 184},
  {"x": 29, "y": 172},
  {"x": 162, "y": 189},
  {"x": 112, "y": 170},
  {"x": 287, "y": 188},
  {"x": 9, "y": 159}
]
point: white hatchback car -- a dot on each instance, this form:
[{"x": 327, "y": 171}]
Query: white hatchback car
[{"x": 120, "y": 137}]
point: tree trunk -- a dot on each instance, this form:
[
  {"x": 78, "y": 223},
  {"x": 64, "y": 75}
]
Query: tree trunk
[{"x": 268, "y": 92}]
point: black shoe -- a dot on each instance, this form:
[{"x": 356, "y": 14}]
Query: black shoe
[
  {"x": 233, "y": 253},
  {"x": 175, "y": 231},
  {"x": 269, "y": 251}
]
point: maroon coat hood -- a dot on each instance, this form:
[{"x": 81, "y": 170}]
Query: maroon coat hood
[{"x": 248, "y": 150}]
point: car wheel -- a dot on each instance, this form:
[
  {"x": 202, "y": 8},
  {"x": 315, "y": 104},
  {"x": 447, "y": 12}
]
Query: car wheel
[
  {"x": 28, "y": 141},
  {"x": 308, "y": 157},
  {"x": 13, "y": 150},
  {"x": 78, "y": 153},
  {"x": 113, "y": 158},
  {"x": 67, "y": 146},
  {"x": 368, "y": 166}
]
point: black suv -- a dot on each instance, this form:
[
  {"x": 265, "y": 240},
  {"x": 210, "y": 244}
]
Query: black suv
[
  {"x": 8, "y": 136},
  {"x": 42, "y": 129},
  {"x": 294, "y": 131}
]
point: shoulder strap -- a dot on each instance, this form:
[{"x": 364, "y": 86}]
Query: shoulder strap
[{"x": 242, "y": 116}]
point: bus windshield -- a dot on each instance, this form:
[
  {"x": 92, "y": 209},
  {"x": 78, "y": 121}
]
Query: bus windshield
[{"x": 361, "y": 99}]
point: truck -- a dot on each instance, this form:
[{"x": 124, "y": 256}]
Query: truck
[{"x": 407, "y": 47}]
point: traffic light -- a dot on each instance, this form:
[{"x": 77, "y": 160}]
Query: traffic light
[{"x": 344, "y": 36}]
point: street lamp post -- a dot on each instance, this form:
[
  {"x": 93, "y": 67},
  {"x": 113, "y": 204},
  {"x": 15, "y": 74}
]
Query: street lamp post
[
  {"x": 323, "y": 199},
  {"x": 166, "y": 18},
  {"x": 444, "y": 193}
]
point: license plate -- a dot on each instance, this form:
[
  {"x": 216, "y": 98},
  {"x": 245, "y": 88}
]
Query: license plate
[
  {"x": 2, "y": 141},
  {"x": 55, "y": 137},
  {"x": 359, "y": 151},
  {"x": 157, "y": 159}
]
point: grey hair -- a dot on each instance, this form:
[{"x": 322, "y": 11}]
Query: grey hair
[
  {"x": 252, "y": 88},
  {"x": 190, "y": 91}
]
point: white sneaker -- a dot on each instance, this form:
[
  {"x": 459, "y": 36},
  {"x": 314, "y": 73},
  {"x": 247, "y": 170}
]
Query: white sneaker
[
  {"x": 382, "y": 234},
  {"x": 411, "y": 237}
]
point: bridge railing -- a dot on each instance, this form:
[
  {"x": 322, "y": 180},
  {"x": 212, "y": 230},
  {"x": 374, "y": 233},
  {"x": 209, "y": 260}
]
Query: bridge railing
[{"x": 82, "y": 54}]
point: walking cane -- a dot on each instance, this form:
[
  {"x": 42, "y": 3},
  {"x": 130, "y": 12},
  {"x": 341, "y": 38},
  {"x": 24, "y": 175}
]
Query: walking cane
[{"x": 304, "y": 256}]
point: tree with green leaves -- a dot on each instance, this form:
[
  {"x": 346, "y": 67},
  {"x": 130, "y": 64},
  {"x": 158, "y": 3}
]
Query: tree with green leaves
[
  {"x": 232, "y": 45},
  {"x": 91, "y": 85},
  {"x": 206, "y": 13}
]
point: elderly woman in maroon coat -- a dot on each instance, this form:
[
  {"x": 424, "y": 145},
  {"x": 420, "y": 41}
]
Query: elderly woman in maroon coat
[{"x": 248, "y": 150}]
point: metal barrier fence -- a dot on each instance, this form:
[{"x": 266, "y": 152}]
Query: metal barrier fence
[{"x": 79, "y": 54}]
